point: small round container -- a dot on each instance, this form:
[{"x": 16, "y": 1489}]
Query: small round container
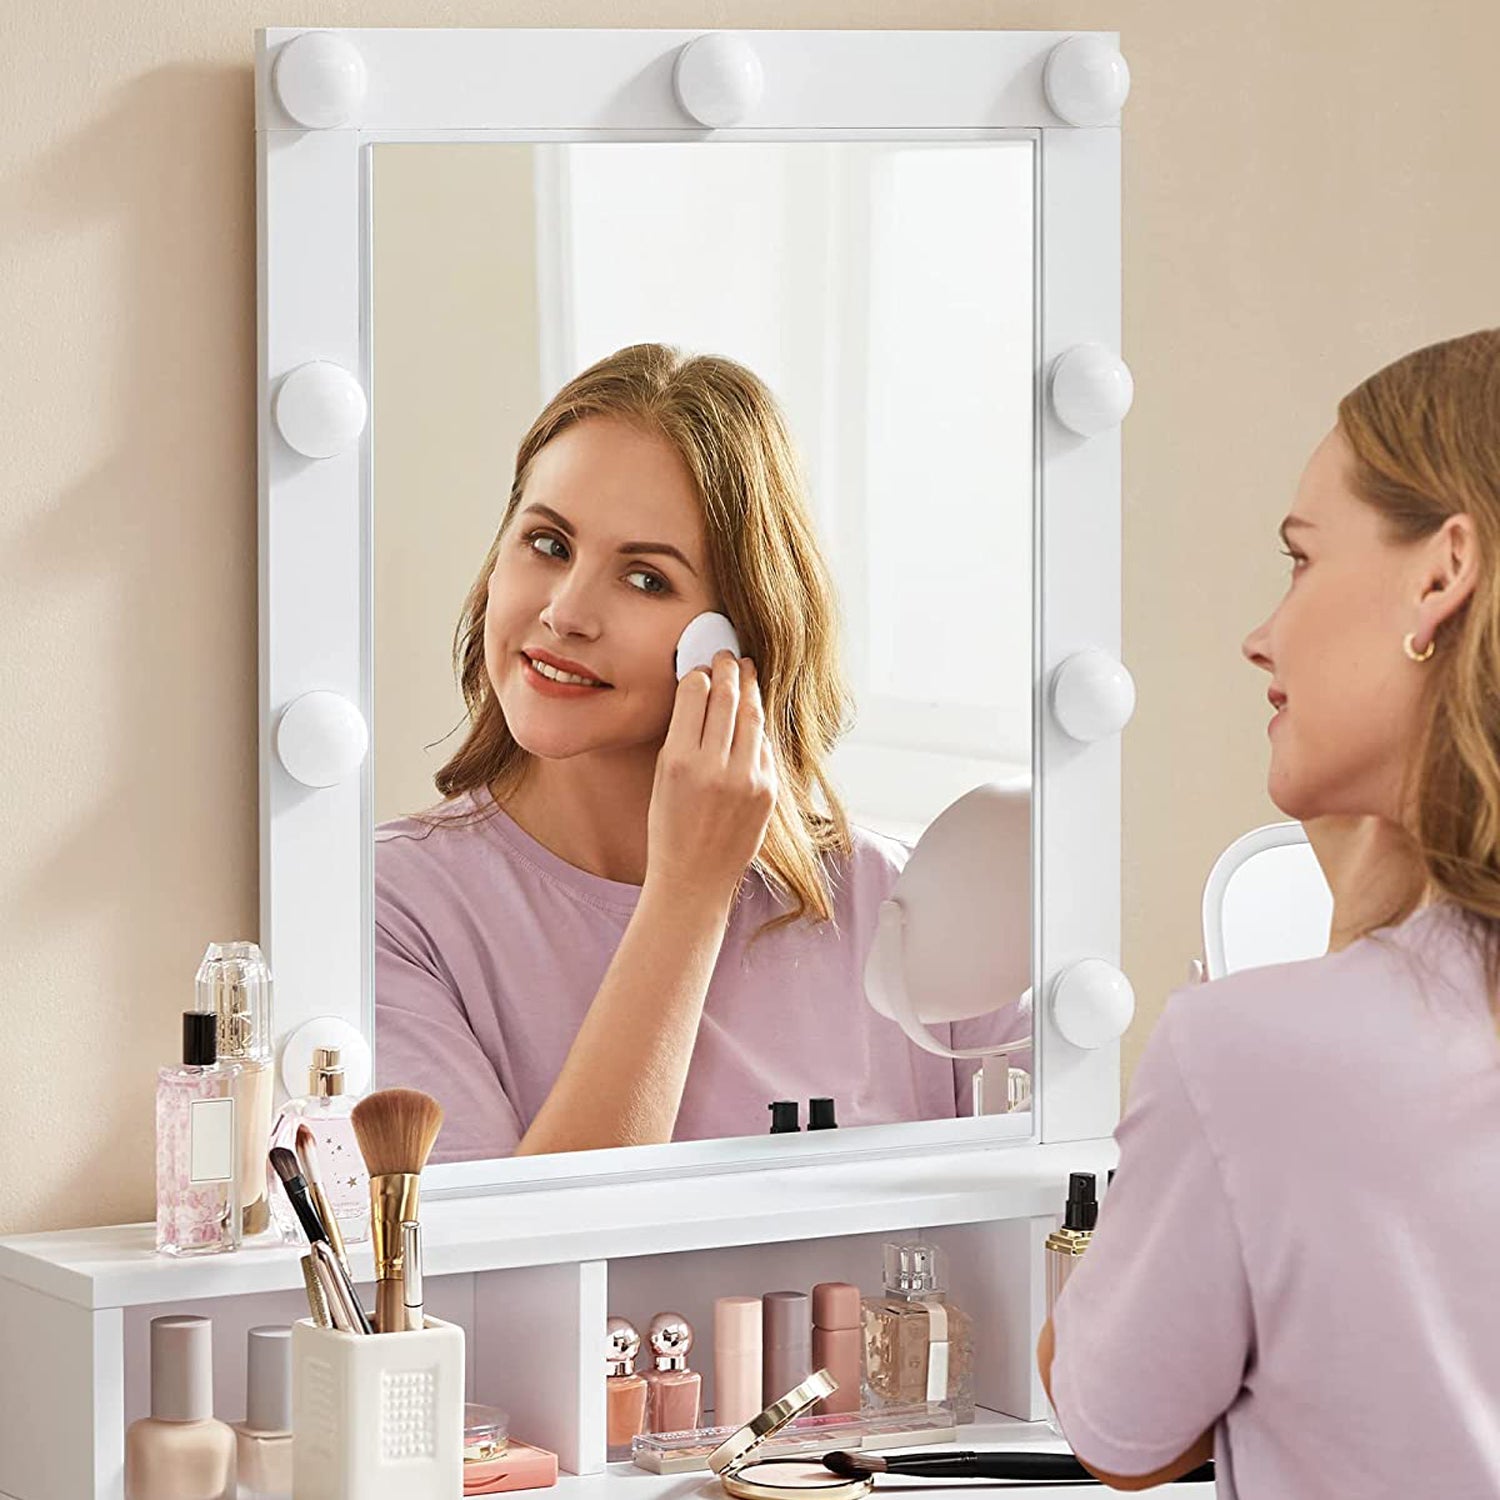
[{"x": 486, "y": 1433}]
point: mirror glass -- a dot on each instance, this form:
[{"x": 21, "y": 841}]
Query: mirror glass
[{"x": 875, "y": 301}]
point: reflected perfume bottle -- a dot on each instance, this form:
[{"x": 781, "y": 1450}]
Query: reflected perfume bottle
[
  {"x": 234, "y": 984},
  {"x": 326, "y": 1108},
  {"x": 919, "y": 1346},
  {"x": 674, "y": 1393},
  {"x": 197, "y": 1187},
  {"x": 625, "y": 1391}
]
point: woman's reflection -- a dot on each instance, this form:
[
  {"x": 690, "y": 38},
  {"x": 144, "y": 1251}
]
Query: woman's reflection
[{"x": 640, "y": 913}]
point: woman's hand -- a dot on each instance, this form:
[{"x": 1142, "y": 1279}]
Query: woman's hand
[{"x": 715, "y": 785}]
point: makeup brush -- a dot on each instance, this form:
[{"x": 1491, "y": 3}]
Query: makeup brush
[
  {"x": 395, "y": 1129},
  {"x": 307, "y": 1157},
  {"x": 285, "y": 1164},
  {"x": 1037, "y": 1468}
]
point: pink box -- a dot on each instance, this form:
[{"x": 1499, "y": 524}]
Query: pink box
[{"x": 520, "y": 1467}]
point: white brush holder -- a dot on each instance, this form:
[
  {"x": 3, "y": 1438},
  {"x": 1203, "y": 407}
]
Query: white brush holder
[{"x": 377, "y": 1417}]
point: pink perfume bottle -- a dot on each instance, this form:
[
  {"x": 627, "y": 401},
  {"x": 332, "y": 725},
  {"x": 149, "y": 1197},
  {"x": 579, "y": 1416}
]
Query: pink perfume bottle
[
  {"x": 326, "y": 1109},
  {"x": 625, "y": 1391},
  {"x": 674, "y": 1393},
  {"x": 197, "y": 1191}
]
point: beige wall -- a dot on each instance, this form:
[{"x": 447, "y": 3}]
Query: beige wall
[
  {"x": 445, "y": 439},
  {"x": 1305, "y": 197}
]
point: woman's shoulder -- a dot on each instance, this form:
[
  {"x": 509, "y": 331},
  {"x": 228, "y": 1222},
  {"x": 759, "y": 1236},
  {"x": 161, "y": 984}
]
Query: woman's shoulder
[
  {"x": 868, "y": 869},
  {"x": 1341, "y": 1010},
  {"x": 450, "y": 836}
]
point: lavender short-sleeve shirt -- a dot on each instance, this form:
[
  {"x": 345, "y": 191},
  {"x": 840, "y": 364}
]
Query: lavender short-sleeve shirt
[
  {"x": 489, "y": 950},
  {"x": 1301, "y": 1248}
]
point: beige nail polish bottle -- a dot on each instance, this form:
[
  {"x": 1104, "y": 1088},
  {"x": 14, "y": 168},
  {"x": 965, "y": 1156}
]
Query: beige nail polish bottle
[
  {"x": 625, "y": 1391},
  {"x": 180, "y": 1452},
  {"x": 264, "y": 1439}
]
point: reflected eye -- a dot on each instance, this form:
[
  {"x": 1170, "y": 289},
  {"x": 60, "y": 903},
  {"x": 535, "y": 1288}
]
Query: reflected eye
[
  {"x": 654, "y": 582},
  {"x": 541, "y": 541}
]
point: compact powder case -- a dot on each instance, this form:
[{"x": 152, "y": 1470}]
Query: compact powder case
[{"x": 746, "y": 1477}]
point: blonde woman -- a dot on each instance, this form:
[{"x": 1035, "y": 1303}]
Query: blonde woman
[
  {"x": 630, "y": 875},
  {"x": 1295, "y": 1270}
]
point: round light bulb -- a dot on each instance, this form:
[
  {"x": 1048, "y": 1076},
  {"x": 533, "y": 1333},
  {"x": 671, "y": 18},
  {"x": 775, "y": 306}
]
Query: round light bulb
[
  {"x": 320, "y": 409},
  {"x": 1092, "y": 1003},
  {"x": 1091, "y": 389},
  {"x": 320, "y": 79},
  {"x": 1086, "y": 80},
  {"x": 718, "y": 79},
  {"x": 1092, "y": 696},
  {"x": 321, "y": 739}
]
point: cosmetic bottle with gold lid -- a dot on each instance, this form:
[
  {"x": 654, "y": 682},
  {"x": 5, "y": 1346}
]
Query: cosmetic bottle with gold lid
[
  {"x": 234, "y": 983},
  {"x": 625, "y": 1391},
  {"x": 1066, "y": 1245}
]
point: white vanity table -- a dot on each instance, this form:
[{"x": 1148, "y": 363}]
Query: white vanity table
[{"x": 531, "y": 1256}]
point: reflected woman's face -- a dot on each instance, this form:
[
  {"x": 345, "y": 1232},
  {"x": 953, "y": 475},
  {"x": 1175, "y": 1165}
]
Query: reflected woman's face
[{"x": 599, "y": 570}]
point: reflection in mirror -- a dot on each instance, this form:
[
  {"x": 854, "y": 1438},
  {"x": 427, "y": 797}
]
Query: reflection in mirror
[{"x": 616, "y": 386}]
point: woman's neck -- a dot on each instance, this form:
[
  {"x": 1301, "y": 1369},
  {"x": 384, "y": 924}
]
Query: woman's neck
[
  {"x": 589, "y": 810},
  {"x": 1372, "y": 868}
]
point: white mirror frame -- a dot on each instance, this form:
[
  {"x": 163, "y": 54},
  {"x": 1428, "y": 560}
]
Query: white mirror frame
[{"x": 313, "y": 217}]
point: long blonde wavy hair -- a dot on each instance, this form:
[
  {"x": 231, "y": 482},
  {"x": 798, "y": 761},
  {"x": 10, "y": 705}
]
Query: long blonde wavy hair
[
  {"x": 1425, "y": 432},
  {"x": 770, "y": 573}
]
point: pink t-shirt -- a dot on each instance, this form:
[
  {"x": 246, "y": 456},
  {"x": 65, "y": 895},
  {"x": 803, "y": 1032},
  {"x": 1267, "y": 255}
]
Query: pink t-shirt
[
  {"x": 1301, "y": 1247},
  {"x": 489, "y": 950}
]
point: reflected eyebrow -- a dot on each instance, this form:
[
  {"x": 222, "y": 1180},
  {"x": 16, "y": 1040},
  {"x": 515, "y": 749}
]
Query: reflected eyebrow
[
  {"x": 630, "y": 549},
  {"x": 1291, "y": 522}
]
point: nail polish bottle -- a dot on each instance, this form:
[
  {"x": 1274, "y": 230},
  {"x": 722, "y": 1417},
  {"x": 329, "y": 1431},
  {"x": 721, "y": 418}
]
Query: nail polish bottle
[
  {"x": 263, "y": 1441},
  {"x": 838, "y": 1342},
  {"x": 197, "y": 1188},
  {"x": 180, "y": 1452},
  {"x": 625, "y": 1391},
  {"x": 674, "y": 1393}
]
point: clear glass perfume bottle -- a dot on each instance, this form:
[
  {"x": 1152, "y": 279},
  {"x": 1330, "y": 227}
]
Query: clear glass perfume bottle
[
  {"x": 674, "y": 1393},
  {"x": 326, "y": 1108},
  {"x": 918, "y": 1345},
  {"x": 197, "y": 1183},
  {"x": 234, "y": 983}
]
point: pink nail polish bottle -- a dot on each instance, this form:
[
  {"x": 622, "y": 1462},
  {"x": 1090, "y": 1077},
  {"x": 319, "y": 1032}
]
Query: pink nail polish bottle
[
  {"x": 674, "y": 1393},
  {"x": 625, "y": 1391}
]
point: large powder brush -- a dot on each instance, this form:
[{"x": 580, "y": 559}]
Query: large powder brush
[{"x": 395, "y": 1129}]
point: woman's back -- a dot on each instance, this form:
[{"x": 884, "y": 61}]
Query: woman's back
[{"x": 1304, "y": 1234}]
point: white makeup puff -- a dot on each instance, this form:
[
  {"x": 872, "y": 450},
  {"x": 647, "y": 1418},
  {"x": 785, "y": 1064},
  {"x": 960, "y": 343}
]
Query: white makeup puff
[{"x": 705, "y": 636}]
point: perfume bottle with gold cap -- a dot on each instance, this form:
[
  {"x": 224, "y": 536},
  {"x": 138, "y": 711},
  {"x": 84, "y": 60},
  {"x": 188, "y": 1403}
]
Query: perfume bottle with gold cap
[
  {"x": 1066, "y": 1244},
  {"x": 326, "y": 1109},
  {"x": 234, "y": 983}
]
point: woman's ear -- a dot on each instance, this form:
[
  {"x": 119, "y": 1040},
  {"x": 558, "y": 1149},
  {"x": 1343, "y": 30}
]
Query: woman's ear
[{"x": 1450, "y": 574}]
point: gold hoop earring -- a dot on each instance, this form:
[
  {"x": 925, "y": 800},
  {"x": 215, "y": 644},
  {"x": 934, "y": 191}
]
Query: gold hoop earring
[{"x": 1409, "y": 646}]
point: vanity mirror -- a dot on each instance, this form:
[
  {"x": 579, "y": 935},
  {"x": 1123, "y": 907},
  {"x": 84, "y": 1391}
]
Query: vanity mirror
[{"x": 876, "y": 275}]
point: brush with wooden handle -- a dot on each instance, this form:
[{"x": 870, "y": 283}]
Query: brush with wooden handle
[{"x": 395, "y": 1129}]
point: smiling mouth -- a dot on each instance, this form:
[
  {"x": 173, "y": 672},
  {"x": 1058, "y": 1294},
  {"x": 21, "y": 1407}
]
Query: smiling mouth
[{"x": 556, "y": 674}]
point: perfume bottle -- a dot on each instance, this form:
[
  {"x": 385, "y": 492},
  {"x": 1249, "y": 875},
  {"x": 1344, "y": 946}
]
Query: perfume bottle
[
  {"x": 326, "y": 1108},
  {"x": 234, "y": 984},
  {"x": 625, "y": 1391},
  {"x": 1065, "y": 1247},
  {"x": 197, "y": 1184},
  {"x": 180, "y": 1452},
  {"x": 674, "y": 1393},
  {"x": 1067, "y": 1244},
  {"x": 263, "y": 1441},
  {"x": 918, "y": 1345}
]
